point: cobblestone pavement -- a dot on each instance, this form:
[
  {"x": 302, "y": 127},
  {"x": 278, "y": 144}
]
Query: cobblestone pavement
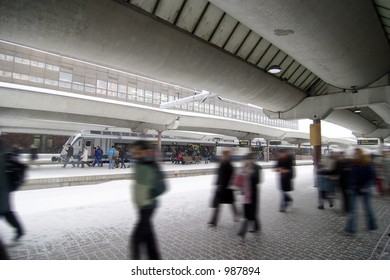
[{"x": 94, "y": 222}]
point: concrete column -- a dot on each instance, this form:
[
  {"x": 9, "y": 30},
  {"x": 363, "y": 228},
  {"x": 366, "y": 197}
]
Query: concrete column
[
  {"x": 315, "y": 140},
  {"x": 267, "y": 151},
  {"x": 159, "y": 136},
  {"x": 381, "y": 144}
]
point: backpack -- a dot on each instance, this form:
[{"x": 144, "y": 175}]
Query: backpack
[
  {"x": 15, "y": 172},
  {"x": 160, "y": 186}
]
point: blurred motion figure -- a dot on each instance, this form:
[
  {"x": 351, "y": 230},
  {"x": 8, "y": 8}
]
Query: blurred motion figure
[
  {"x": 145, "y": 180},
  {"x": 223, "y": 194}
]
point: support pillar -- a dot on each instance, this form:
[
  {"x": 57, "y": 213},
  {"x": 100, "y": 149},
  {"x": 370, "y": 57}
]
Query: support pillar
[
  {"x": 381, "y": 144},
  {"x": 266, "y": 156},
  {"x": 159, "y": 149},
  {"x": 315, "y": 141}
]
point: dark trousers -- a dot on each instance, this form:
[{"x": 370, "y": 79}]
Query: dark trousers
[
  {"x": 286, "y": 198},
  {"x": 143, "y": 234},
  {"x": 3, "y": 252},
  {"x": 10, "y": 217}
]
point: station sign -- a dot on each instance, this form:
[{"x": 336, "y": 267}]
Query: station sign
[
  {"x": 367, "y": 141},
  {"x": 275, "y": 142}
]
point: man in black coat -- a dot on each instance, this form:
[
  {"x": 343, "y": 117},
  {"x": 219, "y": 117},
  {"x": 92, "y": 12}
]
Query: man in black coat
[
  {"x": 223, "y": 194},
  {"x": 285, "y": 167}
]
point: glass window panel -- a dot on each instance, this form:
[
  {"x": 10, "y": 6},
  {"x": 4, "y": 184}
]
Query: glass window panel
[
  {"x": 6, "y": 57},
  {"x": 19, "y": 76},
  {"x": 140, "y": 95},
  {"x": 52, "y": 67},
  {"x": 90, "y": 89},
  {"x": 132, "y": 92},
  {"x": 78, "y": 86},
  {"x": 51, "y": 82},
  {"x": 22, "y": 60},
  {"x": 206, "y": 108},
  {"x": 112, "y": 86},
  {"x": 65, "y": 84},
  {"x": 212, "y": 109},
  {"x": 5, "y": 74},
  {"x": 164, "y": 96},
  {"x": 65, "y": 77},
  {"x": 148, "y": 96},
  {"x": 196, "y": 106},
  {"x": 122, "y": 89},
  {"x": 37, "y": 64},
  {"x": 36, "y": 80},
  {"x": 101, "y": 84},
  {"x": 156, "y": 97}
]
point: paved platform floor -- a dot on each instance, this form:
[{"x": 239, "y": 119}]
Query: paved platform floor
[{"x": 95, "y": 221}]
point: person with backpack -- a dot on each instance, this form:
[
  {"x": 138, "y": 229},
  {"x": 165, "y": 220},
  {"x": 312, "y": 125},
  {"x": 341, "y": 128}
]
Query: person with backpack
[
  {"x": 148, "y": 185},
  {"x": 6, "y": 186}
]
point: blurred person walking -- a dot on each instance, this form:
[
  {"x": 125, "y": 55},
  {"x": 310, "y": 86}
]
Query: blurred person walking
[
  {"x": 146, "y": 179},
  {"x": 326, "y": 168},
  {"x": 33, "y": 153},
  {"x": 3, "y": 252},
  {"x": 343, "y": 170},
  {"x": 69, "y": 155},
  {"x": 285, "y": 168},
  {"x": 385, "y": 166},
  {"x": 362, "y": 176},
  {"x": 223, "y": 194},
  {"x": 5, "y": 201},
  {"x": 84, "y": 158},
  {"x": 111, "y": 157},
  {"x": 98, "y": 155},
  {"x": 122, "y": 156},
  {"x": 251, "y": 178}
]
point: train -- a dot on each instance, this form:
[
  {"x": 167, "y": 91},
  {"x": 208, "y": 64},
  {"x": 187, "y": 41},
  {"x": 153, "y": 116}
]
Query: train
[{"x": 171, "y": 145}]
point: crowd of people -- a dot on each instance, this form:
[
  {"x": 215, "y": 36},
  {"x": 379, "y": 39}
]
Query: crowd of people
[{"x": 352, "y": 176}]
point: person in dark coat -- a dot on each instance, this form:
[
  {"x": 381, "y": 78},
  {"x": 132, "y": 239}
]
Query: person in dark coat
[
  {"x": 285, "y": 168},
  {"x": 343, "y": 170},
  {"x": 362, "y": 176},
  {"x": 223, "y": 194},
  {"x": 69, "y": 155},
  {"x": 251, "y": 172},
  {"x": 5, "y": 203}
]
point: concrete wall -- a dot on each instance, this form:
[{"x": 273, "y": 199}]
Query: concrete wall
[{"x": 108, "y": 33}]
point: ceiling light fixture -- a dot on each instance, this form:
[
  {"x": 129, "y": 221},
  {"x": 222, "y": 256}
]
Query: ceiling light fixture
[
  {"x": 274, "y": 69},
  {"x": 357, "y": 110}
]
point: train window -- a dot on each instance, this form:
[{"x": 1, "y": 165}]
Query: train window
[
  {"x": 116, "y": 134},
  {"x": 125, "y": 134},
  {"x": 96, "y": 132},
  {"x": 134, "y": 134},
  {"x": 88, "y": 143},
  {"x": 106, "y": 132}
]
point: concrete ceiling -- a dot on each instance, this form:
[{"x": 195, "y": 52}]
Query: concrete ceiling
[{"x": 224, "y": 46}]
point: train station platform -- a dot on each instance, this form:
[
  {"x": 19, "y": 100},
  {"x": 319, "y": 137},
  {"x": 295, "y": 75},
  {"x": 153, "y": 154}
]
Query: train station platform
[
  {"x": 94, "y": 222},
  {"x": 49, "y": 176}
]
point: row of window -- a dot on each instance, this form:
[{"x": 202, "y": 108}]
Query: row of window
[
  {"x": 134, "y": 92},
  {"x": 26, "y": 61}
]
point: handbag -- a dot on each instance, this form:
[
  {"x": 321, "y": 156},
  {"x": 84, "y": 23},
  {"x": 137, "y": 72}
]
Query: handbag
[{"x": 239, "y": 180}]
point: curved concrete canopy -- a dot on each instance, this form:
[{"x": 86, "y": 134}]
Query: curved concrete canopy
[
  {"x": 342, "y": 42},
  {"x": 27, "y": 108},
  {"x": 137, "y": 43}
]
